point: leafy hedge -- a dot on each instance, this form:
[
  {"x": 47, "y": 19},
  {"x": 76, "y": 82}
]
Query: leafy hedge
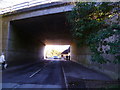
[{"x": 89, "y": 26}]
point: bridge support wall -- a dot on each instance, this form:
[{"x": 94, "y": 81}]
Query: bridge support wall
[
  {"x": 0, "y": 35},
  {"x": 82, "y": 55},
  {"x": 18, "y": 46}
]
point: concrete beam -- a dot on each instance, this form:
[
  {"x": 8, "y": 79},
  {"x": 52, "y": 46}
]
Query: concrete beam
[{"x": 42, "y": 12}]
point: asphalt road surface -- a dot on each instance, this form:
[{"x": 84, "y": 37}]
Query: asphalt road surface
[{"x": 49, "y": 74}]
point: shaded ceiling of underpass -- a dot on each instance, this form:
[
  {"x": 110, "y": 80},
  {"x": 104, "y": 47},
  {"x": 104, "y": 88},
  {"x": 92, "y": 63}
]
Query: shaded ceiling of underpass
[{"x": 50, "y": 29}]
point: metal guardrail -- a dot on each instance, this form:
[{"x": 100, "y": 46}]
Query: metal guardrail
[{"x": 25, "y": 5}]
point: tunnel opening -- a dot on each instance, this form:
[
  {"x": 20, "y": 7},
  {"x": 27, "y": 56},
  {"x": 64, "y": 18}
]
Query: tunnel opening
[
  {"x": 28, "y": 37},
  {"x": 57, "y": 52}
]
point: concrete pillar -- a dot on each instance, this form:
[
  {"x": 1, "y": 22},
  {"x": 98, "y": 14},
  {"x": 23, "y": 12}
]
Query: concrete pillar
[
  {"x": 73, "y": 52},
  {"x": 5, "y": 30},
  {"x": 0, "y": 51},
  {"x": 0, "y": 33}
]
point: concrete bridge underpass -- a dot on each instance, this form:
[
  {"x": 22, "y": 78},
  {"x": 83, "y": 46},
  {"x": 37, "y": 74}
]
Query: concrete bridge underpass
[
  {"x": 24, "y": 34},
  {"x": 28, "y": 37}
]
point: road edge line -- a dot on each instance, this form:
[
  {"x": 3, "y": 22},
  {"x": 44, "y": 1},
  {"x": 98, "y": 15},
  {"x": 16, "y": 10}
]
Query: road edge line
[{"x": 65, "y": 78}]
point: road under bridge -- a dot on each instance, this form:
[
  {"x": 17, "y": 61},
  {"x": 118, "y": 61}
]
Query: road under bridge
[{"x": 24, "y": 34}]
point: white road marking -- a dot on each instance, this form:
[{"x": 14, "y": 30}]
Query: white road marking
[
  {"x": 16, "y": 86},
  {"x": 35, "y": 73},
  {"x": 65, "y": 78},
  {"x": 38, "y": 70}
]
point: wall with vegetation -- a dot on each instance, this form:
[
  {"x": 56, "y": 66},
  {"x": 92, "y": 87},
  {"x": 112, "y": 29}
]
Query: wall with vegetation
[{"x": 96, "y": 31}]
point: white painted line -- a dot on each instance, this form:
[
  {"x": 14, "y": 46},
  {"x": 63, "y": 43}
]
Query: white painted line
[
  {"x": 35, "y": 73},
  {"x": 38, "y": 70},
  {"x": 16, "y": 86},
  {"x": 65, "y": 78}
]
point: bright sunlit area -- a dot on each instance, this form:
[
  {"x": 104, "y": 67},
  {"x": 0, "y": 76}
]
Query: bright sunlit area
[
  {"x": 7, "y": 3},
  {"x": 55, "y": 52},
  {"x": 13, "y": 5}
]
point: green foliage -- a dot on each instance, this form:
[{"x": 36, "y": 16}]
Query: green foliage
[
  {"x": 52, "y": 52},
  {"x": 89, "y": 27},
  {"x": 97, "y": 39}
]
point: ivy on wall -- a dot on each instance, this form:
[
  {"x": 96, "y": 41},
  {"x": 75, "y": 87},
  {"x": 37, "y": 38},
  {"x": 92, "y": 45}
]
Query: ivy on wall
[{"x": 89, "y": 26}]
